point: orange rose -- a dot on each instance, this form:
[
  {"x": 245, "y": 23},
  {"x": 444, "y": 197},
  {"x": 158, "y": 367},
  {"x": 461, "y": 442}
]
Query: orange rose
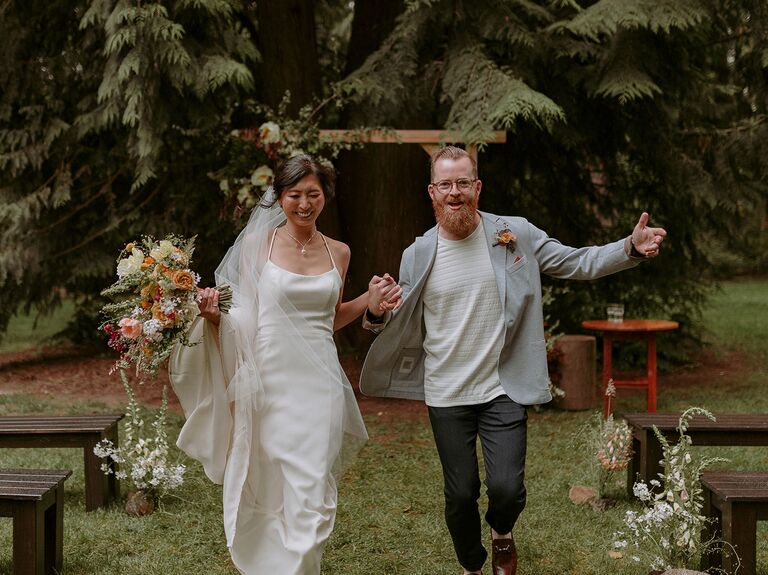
[
  {"x": 151, "y": 292},
  {"x": 507, "y": 237},
  {"x": 159, "y": 315},
  {"x": 183, "y": 279},
  {"x": 148, "y": 261}
]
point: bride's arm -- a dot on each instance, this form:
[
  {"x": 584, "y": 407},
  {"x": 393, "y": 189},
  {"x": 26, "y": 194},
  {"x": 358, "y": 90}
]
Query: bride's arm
[{"x": 382, "y": 291}]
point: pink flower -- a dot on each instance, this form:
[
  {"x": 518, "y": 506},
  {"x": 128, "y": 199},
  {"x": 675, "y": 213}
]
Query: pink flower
[{"x": 130, "y": 328}]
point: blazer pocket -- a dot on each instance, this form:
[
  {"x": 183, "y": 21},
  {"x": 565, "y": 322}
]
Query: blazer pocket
[
  {"x": 515, "y": 263},
  {"x": 408, "y": 368}
]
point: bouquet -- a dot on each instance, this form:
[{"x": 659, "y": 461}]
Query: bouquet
[{"x": 157, "y": 295}]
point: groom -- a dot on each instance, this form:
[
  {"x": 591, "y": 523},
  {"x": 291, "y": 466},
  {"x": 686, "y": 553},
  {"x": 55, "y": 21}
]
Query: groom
[{"x": 469, "y": 340}]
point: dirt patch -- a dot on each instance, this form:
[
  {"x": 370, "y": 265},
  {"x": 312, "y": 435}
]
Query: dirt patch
[{"x": 73, "y": 374}]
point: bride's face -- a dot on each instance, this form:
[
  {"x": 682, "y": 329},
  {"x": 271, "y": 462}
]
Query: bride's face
[{"x": 303, "y": 202}]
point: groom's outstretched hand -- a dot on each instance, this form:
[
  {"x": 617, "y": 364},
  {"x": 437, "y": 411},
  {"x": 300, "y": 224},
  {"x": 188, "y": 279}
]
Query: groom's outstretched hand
[
  {"x": 647, "y": 240},
  {"x": 384, "y": 294}
]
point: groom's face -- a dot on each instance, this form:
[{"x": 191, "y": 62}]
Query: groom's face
[{"x": 455, "y": 192}]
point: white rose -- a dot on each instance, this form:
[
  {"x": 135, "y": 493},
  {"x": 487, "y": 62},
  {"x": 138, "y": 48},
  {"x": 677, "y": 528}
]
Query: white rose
[
  {"x": 162, "y": 251},
  {"x": 269, "y": 133},
  {"x": 261, "y": 176},
  {"x": 131, "y": 264}
]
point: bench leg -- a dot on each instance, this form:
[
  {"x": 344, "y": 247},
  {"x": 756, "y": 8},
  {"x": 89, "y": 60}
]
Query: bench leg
[
  {"x": 113, "y": 483},
  {"x": 28, "y": 539},
  {"x": 713, "y": 530},
  {"x": 54, "y": 533},
  {"x": 646, "y": 455},
  {"x": 740, "y": 530},
  {"x": 96, "y": 481}
]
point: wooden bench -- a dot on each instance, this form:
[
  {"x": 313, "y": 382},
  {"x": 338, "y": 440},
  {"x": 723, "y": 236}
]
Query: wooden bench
[
  {"x": 736, "y": 501},
  {"x": 34, "y": 498},
  {"x": 64, "y": 431},
  {"x": 732, "y": 429}
]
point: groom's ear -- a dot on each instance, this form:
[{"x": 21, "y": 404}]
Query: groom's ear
[{"x": 431, "y": 191}]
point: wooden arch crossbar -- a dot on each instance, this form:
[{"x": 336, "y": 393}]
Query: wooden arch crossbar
[{"x": 429, "y": 140}]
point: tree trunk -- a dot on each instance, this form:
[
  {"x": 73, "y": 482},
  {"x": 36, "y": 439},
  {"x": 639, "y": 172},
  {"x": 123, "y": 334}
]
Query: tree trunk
[
  {"x": 287, "y": 43},
  {"x": 383, "y": 202}
]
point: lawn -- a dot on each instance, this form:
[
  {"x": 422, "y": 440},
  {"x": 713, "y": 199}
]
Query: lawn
[{"x": 390, "y": 502}]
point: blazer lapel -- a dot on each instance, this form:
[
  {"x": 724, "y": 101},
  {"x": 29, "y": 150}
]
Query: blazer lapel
[
  {"x": 426, "y": 250},
  {"x": 498, "y": 258}
]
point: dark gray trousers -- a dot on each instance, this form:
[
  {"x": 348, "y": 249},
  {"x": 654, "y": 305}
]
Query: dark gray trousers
[{"x": 502, "y": 425}]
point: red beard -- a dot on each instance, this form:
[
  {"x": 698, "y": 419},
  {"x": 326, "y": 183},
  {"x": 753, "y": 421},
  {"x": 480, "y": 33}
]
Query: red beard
[{"x": 459, "y": 223}]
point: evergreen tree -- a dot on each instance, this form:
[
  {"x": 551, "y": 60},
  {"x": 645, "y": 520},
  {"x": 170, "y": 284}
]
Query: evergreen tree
[{"x": 110, "y": 112}]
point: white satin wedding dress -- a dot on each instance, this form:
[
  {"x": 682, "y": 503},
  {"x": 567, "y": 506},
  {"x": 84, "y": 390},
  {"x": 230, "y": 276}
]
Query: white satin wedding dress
[{"x": 271, "y": 428}]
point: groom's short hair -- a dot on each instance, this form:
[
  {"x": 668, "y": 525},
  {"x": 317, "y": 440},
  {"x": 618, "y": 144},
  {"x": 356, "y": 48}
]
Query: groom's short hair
[{"x": 451, "y": 153}]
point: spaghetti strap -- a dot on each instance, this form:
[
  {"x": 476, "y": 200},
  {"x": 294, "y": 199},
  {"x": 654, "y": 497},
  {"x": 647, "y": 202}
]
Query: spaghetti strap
[
  {"x": 271, "y": 243},
  {"x": 330, "y": 255}
]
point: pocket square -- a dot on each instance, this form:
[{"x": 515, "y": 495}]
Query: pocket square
[{"x": 517, "y": 259}]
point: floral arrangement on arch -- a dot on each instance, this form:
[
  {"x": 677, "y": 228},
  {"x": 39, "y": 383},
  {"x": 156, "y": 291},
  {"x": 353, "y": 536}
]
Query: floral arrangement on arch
[
  {"x": 252, "y": 153},
  {"x": 667, "y": 534}
]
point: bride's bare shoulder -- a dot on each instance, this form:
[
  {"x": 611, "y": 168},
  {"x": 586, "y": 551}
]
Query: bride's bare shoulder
[{"x": 339, "y": 249}]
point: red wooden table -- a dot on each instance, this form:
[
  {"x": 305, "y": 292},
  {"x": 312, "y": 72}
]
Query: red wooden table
[{"x": 632, "y": 330}]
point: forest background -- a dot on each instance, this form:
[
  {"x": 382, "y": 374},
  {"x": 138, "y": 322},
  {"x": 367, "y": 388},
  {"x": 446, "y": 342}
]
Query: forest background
[{"x": 120, "y": 118}]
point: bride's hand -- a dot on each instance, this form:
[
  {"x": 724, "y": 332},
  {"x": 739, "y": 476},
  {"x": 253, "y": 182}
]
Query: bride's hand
[
  {"x": 384, "y": 294},
  {"x": 208, "y": 304}
]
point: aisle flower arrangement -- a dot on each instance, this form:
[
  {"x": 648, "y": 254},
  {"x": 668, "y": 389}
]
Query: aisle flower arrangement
[
  {"x": 143, "y": 460},
  {"x": 667, "y": 534}
]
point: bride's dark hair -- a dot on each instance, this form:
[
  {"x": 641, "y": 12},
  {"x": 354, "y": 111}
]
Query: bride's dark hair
[{"x": 292, "y": 170}]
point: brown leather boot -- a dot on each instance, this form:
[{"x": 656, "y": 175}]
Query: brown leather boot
[{"x": 503, "y": 557}]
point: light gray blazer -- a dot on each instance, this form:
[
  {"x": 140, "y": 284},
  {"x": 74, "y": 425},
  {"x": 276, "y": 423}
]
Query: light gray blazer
[{"x": 394, "y": 366}]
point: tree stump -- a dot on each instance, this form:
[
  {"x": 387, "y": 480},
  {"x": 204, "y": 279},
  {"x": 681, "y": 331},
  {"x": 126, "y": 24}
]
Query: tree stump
[{"x": 578, "y": 372}]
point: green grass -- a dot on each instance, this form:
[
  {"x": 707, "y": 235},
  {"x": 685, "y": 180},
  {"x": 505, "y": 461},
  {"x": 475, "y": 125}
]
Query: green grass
[
  {"x": 737, "y": 318},
  {"x": 390, "y": 518},
  {"x": 24, "y": 332}
]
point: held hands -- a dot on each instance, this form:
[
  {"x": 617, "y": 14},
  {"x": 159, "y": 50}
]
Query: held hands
[
  {"x": 209, "y": 305},
  {"x": 384, "y": 294},
  {"x": 645, "y": 239}
]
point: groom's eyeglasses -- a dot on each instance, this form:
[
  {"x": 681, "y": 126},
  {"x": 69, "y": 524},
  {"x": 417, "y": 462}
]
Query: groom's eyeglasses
[{"x": 462, "y": 184}]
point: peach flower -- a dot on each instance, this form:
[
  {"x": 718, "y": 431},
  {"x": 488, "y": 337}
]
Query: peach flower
[{"x": 130, "y": 328}]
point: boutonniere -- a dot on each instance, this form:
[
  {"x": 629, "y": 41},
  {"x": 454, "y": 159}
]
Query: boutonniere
[{"x": 505, "y": 238}]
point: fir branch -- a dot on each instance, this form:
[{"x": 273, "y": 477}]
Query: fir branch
[
  {"x": 485, "y": 97},
  {"x": 605, "y": 17}
]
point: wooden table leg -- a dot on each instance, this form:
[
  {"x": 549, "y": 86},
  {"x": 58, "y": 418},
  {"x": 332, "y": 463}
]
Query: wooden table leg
[
  {"x": 651, "y": 372},
  {"x": 28, "y": 538},
  {"x": 740, "y": 530},
  {"x": 607, "y": 371}
]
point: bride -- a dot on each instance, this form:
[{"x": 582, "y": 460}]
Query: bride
[{"x": 270, "y": 413}]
